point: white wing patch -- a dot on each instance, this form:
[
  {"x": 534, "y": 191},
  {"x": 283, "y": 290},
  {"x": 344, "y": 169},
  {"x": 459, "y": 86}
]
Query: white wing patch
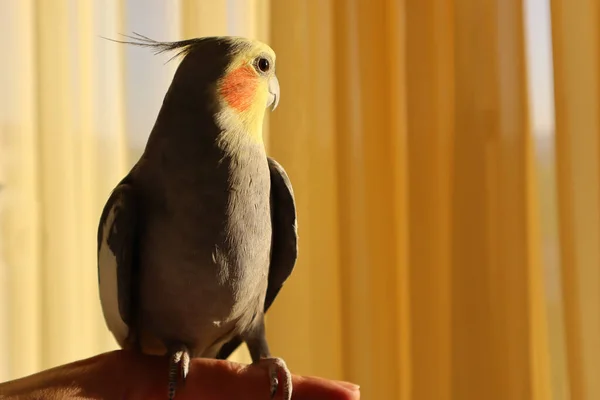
[{"x": 107, "y": 270}]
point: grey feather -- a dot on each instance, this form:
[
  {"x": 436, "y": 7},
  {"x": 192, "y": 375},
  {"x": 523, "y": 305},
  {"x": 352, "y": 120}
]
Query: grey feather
[
  {"x": 117, "y": 239},
  {"x": 284, "y": 248}
]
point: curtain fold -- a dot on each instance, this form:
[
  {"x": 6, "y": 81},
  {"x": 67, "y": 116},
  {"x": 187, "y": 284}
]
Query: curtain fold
[
  {"x": 430, "y": 123},
  {"x": 372, "y": 155},
  {"x": 576, "y": 43},
  {"x": 304, "y": 325},
  {"x": 21, "y": 220}
]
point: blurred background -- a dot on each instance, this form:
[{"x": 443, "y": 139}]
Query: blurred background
[{"x": 444, "y": 155}]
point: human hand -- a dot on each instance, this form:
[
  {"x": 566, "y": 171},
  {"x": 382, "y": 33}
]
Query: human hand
[{"x": 127, "y": 375}]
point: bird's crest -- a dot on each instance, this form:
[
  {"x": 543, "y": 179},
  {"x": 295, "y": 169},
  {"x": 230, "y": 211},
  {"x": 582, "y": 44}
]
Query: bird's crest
[{"x": 181, "y": 47}]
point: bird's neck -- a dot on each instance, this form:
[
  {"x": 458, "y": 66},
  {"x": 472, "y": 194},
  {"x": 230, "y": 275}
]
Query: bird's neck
[
  {"x": 184, "y": 144},
  {"x": 242, "y": 125},
  {"x": 187, "y": 128}
]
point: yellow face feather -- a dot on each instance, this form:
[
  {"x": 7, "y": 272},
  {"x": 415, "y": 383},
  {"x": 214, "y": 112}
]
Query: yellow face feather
[{"x": 244, "y": 88}]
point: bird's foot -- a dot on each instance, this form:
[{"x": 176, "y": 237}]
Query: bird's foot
[
  {"x": 179, "y": 359},
  {"x": 279, "y": 376}
]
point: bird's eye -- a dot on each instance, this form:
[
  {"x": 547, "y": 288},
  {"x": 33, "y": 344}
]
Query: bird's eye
[{"x": 263, "y": 64}]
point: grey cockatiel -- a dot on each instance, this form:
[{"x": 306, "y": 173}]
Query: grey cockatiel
[{"x": 196, "y": 241}]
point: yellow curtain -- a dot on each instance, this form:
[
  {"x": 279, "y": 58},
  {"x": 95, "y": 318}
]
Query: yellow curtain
[
  {"x": 576, "y": 47},
  {"x": 63, "y": 148},
  {"x": 408, "y": 140},
  {"x": 405, "y": 127}
]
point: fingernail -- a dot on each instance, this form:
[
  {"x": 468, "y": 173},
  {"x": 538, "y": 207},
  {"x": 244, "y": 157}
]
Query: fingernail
[{"x": 350, "y": 386}]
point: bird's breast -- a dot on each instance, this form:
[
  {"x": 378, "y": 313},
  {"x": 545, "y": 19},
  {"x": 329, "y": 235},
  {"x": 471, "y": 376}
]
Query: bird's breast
[{"x": 208, "y": 251}]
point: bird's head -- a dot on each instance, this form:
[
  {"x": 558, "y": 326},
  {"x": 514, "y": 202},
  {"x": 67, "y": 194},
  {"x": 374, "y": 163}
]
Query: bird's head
[
  {"x": 230, "y": 78},
  {"x": 248, "y": 86}
]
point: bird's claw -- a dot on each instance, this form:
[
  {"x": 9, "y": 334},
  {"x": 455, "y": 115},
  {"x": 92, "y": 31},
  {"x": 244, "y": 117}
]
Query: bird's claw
[
  {"x": 179, "y": 359},
  {"x": 274, "y": 383},
  {"x": 277, "y": 369}
]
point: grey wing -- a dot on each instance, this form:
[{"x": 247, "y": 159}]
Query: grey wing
[
  {"x": 117, "y": 251},
  {"x": 284, "y": 248}
]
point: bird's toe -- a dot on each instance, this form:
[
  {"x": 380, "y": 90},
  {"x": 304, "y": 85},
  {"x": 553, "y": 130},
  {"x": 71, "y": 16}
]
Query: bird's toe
[{"x": 279, "y": 376}]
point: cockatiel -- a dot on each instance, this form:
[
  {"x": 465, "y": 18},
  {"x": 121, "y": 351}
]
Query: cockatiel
[{"x": 196, "y": 241}]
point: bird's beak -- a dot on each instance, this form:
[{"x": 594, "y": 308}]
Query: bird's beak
[{"x": 273, "y": 92}]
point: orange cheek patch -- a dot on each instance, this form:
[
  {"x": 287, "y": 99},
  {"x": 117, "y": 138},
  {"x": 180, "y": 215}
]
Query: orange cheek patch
[{"x": 238, "y": 88}]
